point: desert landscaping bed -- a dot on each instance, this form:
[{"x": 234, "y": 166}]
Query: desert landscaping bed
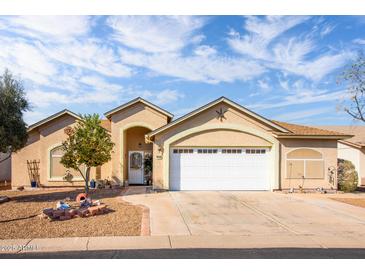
[
  {"x": 19, "y": 217},
  {"x": 352, "y": 201}
]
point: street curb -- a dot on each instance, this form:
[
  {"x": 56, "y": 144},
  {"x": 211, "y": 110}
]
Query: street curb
[{"x": 21, "y": 246}]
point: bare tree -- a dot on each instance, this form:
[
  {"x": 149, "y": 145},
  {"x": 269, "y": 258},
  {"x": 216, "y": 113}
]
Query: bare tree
[{"x": 354, "y": 76}]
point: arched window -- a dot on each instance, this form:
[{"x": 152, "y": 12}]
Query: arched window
[
  {"x": 57, "y": 170},
  {"x": 304, "y": 163}
]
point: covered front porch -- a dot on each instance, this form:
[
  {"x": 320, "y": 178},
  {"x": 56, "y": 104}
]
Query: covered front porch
[{"x": 137, "y": 157}]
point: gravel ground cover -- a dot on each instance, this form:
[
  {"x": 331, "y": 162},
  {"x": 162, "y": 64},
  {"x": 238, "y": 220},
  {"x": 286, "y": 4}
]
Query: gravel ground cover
[{"x": 19, "y": 217}]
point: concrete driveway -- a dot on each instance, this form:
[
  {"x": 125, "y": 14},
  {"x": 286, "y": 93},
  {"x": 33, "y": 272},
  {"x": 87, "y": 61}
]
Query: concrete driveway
[{"x": 265, "y": 214}]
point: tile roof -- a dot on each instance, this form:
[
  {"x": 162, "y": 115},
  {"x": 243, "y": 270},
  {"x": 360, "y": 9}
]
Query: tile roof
[
  {"x": 307, "y": 131},
  {"x": 357, "y": 131}
]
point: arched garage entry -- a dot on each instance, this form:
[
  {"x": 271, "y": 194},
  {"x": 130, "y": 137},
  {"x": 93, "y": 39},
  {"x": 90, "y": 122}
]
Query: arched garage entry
[{"x": 249, "y": 165}]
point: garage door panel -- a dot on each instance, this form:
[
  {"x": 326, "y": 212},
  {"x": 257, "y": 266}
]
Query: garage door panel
[{"x": 220, "y": 170}]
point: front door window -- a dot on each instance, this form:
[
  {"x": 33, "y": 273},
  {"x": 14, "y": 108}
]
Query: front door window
[{"x": 136, "y": 160}]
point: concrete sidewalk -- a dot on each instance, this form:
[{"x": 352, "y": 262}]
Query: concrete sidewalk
[{"x": 175, "y": 242}]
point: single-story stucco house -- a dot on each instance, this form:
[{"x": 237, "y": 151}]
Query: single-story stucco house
[
  {"x": 219, "y": 146},
  {"x": 352, "y": 149}
]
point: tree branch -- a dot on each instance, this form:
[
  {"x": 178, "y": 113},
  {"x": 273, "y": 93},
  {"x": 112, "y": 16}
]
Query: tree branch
[
  {"x": 358, "y": 108},
  {"x": 81, "y": 173}
]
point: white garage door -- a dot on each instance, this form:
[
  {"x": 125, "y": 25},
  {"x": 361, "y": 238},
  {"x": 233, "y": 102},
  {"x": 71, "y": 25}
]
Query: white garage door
[{"x": 219, "y": 169}]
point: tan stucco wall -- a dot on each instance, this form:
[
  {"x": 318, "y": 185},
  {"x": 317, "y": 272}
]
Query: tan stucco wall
[
  {"x": 39, "y": 144},
  {"x": 328, "y": 148},
  {"x": 5, "y": 168},
  {"x": 208, "y": 118},
  {"x": 135, "y": 115},
  {"x": 222, "y": 138}
]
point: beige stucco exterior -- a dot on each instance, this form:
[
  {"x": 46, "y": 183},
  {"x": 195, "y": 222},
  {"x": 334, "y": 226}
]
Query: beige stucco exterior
[
  {"x": 39, "y": 145},
  {"x": 131, "y": 125},
  {"x": 236, "y": 125},
  {"x": 137, "y": 115},
  {"x": 328, "y": 149}
]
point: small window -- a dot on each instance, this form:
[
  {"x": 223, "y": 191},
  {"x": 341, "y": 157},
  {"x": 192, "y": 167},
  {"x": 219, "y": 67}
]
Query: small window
[
  {"x": 215, "y": 151},
  {"x": 59, "y": 171},
  {"x": 191, "y": 150},
  {"x": 224, "y": 151},
  {"x": 304, "y": 163},
  {"x": 200, "y": 151},
  {"x": 204, "y": 151},
  {"x": 175, "y": 151},
  {"x": 239, "y": 151}
]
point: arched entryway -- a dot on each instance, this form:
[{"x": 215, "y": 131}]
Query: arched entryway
[{"x": 137, "y": 156}]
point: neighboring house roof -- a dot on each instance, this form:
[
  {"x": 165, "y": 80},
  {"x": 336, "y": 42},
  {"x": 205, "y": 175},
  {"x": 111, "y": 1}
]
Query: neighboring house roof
[
  {"x": 306, "y": 131},
  {"x": 358, "y": 132},
  {"x": 138, "y": 100},
  {"x": 105, "y": 123},
  {"x": 52, "y": 117},
  {"x": 209, "y": 105}
]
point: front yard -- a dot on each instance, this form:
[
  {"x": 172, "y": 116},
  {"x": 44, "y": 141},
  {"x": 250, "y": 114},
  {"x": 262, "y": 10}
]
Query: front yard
[
  {"x": 352, "y": 201},
  {"x": 18, "y": 217}
]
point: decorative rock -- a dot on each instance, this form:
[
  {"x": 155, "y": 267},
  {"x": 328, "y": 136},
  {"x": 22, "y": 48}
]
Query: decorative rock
[{"x": 64, "y": 218}]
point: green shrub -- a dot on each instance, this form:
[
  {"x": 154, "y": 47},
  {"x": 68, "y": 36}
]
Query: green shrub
[{"x": 346, "y": 176}]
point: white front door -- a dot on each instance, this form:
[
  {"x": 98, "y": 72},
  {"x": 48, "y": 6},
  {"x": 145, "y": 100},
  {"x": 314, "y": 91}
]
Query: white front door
[
  {"x": 219, "y": 168},
  {"x": 135, "y": 167}
]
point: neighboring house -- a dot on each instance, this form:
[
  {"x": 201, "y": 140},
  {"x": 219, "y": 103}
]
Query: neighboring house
[
  {"x": 5, "y": 167},
  {"x": 352, "y": 149},
  {"x": 219, "y": 146}
]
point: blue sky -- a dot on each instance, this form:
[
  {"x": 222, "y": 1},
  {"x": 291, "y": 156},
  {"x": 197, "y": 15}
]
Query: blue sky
[{"x": 284, "y": 68}]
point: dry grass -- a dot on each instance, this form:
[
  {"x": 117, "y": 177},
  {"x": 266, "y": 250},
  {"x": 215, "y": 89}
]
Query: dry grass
[
  {"x": 18, "y": 218},
  {"x": 352, "y": 201}
]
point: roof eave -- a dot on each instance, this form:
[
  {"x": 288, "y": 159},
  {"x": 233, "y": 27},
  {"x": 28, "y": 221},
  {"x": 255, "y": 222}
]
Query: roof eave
[
  {"x": 298, "y": 136},
  {"x": 221, "y": 99},
  {"x": 110, "y": 113},
  {"x": 52, "y": 117},
  {"x": 356, "y": 145}
]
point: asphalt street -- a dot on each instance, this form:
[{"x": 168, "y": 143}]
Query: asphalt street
[{"x": 264, "y": 253}]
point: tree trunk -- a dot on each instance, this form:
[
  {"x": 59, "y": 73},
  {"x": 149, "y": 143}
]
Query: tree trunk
[{"x": 87, "y": 178}]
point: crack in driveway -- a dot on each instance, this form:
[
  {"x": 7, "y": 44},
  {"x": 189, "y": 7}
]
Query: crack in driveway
[{"x": 264, "y": 214}]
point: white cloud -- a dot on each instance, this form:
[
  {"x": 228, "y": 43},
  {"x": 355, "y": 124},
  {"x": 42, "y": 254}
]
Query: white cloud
[
  {"x": 161, "y": 97},
  {"x": 27, "y": 60},
  {"x": 298, "y": 115},
  {"x": 156, "y": 33},
  {"x": 213, "y": 70},
  {"x": 291, "y": 57},
  {"x": 299, "y": 98},
  {"x": 263, "y": 84},
  {"x": 89, "y": 54},
  {"x": 264, "y": 42},
  {"x": 359, "y": 41},
  {"x": 205, "y": 50},
  {"x": 284, "y": 84},
  {"x": 261, "y": 32},
  {"x": 99, "y": 83},
  {"x": 327, "y": 29},
  {"x": 55, "y": 27}
]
